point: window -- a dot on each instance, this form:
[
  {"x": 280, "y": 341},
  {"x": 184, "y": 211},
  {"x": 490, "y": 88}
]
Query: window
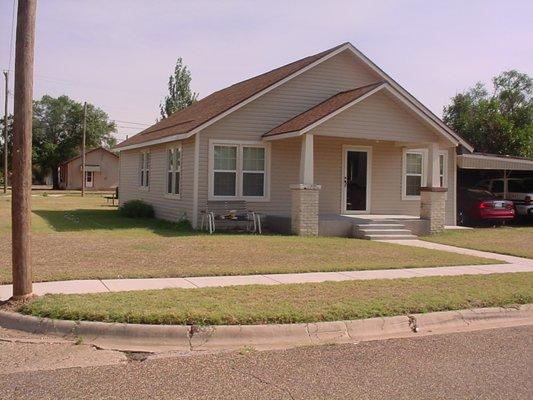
[
  {"x": 173, "y": 170},
  {"x": 253, "y": 171},
  {"x": 442, "y": 169},
  {"x": 413, "y": 173},
  {"x": 145, "y": 170},
  {"x": 238, "y": 170},
  {"x": 225, "y": 171}
]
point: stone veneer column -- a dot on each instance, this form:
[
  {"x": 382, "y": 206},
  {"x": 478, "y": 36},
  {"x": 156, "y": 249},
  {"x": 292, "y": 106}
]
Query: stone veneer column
[
  {"x": 433, "y": 207},
  {"x": 304, "y": 209}
]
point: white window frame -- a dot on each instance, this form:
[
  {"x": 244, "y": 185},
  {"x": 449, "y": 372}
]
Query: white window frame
[
  {"x": 239, "y": 171},
  {"x": 144, "y": 169},
  {"x": 444, "y": 175},
  {"x": 424, "y": 153},
  {"x": 173, "y": 148}
]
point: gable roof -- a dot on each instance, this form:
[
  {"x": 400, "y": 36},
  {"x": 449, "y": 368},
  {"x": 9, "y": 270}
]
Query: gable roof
[
  {"x": 88, "y": 152},
  {"x": 324, "y": 109},
  {"x": 187, "y": 122},
  {"x": 340, "y": 102},
  {"x": 204, "y": 110}
]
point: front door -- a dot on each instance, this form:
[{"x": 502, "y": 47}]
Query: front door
[
  {"x": 356, "y": 179},
  {"x": 89, "y": 179}
]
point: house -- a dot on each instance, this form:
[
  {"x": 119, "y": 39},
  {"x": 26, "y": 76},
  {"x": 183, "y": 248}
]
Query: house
[
  {"x": 328, "y": 145},
  {"x": 101, "y": 171}
]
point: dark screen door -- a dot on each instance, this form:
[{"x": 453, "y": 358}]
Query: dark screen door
[{"x": 356, "y": 169}]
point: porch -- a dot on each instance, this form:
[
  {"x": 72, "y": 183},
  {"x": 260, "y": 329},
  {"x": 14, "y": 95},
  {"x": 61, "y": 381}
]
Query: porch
[
  {"x": 366, "y": 157},
  {"x": 354, "y": 187},
  {"x": 368, "y": 226}
]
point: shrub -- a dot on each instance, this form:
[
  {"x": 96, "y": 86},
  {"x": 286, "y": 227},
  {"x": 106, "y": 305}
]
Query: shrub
[{"x": 136, "y": 209}]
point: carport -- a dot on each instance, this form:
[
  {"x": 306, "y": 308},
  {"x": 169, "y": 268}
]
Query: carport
[{"x": 472, "y": 168}]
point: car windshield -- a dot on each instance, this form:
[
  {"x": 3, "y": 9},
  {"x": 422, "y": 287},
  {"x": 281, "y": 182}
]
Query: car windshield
[{"x": 480, "y": 194}]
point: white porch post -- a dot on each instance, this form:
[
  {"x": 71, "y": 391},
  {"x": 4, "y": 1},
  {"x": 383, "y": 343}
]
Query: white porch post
[
  {"x": 307, "y": 160},
  {"x": 433, "y": 197},
  {"x": 433, "y": 175},
  {"x": 304, "y": 195}
]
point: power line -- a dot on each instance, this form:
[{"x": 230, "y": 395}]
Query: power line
[{"x": 133, "y": 123}]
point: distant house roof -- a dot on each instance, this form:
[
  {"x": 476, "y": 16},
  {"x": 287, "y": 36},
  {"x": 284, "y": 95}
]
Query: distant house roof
[
  {"x": 203, "y": 110},
  {"x": 88, "y": 152},
  {"x": 316, "y": 113}
]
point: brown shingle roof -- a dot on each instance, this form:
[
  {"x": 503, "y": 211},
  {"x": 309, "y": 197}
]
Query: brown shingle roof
[
  {"x": 202, "y": 111},
  {"x": 321, "y": 110},
  {"x": 87, "y": 152}
]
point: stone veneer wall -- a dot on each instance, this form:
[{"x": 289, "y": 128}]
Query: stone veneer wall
[
  {"x": 433, "y": 207},
  {"x": 304, "y": 209}
]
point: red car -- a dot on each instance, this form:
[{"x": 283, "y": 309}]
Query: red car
[{"x": 480, "y": 205}]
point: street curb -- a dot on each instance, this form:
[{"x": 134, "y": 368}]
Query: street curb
[{"x": 157, "y": 338}]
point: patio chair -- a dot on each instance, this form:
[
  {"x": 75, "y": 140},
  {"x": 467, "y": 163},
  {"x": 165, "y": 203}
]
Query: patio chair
[{"x": 231, "y": 214}]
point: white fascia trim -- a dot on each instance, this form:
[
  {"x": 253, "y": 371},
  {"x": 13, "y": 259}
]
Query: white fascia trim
[
  {"x": 182, "y": 136},
  {"x": 285, "y": 135},
  {"x": 422, "y": 108},
  {"x": 154, "y": 142}
]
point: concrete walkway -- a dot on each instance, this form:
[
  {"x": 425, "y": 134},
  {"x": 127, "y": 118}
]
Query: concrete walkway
[{"x": 513, "y": 264}]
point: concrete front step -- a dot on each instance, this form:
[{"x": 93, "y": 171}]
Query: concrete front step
[
  {"x": 390, "y": 231},
  {"x": 381, "y": 225},
  {"x": 382, "y": 230},
  {"x": 389, "y": 237}
]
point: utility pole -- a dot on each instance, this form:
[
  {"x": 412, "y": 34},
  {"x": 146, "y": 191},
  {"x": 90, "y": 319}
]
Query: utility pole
[
  {"x": 6, "y": 75},
  {"x": 22, "y": 126},
  {"x": 83, "y": 150}
]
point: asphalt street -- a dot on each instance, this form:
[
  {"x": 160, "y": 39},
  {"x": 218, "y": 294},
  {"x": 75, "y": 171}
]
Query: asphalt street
[{"x": 490, "y": 364}]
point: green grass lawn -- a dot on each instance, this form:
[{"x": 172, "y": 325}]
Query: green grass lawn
[
  {"x": 515, "y": 241},
  {"x": 85, "y": 238},
  {"x": 306, "y": 302}
]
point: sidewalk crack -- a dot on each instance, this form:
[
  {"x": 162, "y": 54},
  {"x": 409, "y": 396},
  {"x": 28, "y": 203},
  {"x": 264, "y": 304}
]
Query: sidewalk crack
[{"x": 103, "y": 283}]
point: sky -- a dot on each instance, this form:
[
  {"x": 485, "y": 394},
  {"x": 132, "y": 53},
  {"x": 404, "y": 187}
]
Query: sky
[{"x": 118, "y": 54}]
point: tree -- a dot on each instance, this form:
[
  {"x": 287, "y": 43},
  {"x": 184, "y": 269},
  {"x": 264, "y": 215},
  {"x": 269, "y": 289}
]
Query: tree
[
  {"x": 9, "y": 144},
  {"x": 180, "y": 94},
  {"x": 500, "y": 122},
  {"x": 58, "y": 130}
]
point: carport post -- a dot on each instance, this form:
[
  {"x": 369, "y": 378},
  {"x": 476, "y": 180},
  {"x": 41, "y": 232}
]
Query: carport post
[{"x": 505, "y": 184}]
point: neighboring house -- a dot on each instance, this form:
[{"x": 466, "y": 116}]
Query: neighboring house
[
  {"x": 101, "y": 171},
  {"x": 318, "y": 146}
]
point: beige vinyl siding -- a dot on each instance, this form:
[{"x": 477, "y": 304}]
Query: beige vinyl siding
[
  {"x": 338, "y": 73},
  {"x": 166, "y": 207},
  {"x": 107, "y": 178},
  {"x": 378, "y": 117}
]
